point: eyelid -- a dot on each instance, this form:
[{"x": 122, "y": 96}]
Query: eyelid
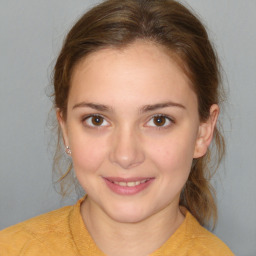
[
  {"x": 106, "y": 123},
  {"x": 87, "y": 117},
  {"x": 170, "y": 120}
]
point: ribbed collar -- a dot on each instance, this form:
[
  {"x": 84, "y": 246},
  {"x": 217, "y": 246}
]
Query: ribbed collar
[
  {"x": 82, "y": 239},
  {"x": 86, "y": 246}
]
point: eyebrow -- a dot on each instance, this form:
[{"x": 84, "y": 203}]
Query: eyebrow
[
  {"x": 144, "y": 109},
  {"x": 99, "y": 107},
  {"x": 153, "y": 107}
]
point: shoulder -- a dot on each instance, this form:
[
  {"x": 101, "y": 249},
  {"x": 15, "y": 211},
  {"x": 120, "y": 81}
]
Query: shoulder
[
  {"x": 203, "y": 242},
  {"x": 34, "y": 232}
]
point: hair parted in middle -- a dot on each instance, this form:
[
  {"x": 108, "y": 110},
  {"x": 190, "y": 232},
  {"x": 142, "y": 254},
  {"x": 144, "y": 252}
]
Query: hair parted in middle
[{"x": 167, "y": 24}]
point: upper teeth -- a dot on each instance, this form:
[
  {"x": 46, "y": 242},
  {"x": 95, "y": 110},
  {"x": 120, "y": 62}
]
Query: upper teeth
[{"x": 130, "y": 183}]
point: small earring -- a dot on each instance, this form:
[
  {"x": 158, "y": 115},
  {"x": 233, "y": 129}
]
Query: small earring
[{"x": 68, "y": 150}]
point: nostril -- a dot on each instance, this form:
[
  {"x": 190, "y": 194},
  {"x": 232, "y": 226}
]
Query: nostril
[
  {"x": 126, "y": 151},
  {"x": 127, "y": 158}
]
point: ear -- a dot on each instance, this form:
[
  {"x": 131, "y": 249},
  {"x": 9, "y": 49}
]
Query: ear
[
  {"x": 63, "y": 126},
  {"x": 206, "y": 131}
]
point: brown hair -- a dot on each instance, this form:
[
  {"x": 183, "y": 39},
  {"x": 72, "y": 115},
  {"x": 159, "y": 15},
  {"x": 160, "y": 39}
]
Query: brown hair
[{"x": 116, "y": 23}]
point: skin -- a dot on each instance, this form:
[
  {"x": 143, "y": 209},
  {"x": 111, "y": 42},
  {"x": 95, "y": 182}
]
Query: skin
[{"x": 128, "y": 143}]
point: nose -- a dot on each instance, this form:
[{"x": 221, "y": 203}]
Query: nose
[{"x": 126, "y": 149}]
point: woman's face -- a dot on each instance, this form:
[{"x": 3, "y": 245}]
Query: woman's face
[{"x": 133, "y": 128}]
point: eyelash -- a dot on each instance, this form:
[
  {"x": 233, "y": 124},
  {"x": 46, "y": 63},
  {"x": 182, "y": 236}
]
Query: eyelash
[
  {"x": 86, "y": 118},
  {"x": 164, "y": 126},
  {"x": 167, "y": 119}
]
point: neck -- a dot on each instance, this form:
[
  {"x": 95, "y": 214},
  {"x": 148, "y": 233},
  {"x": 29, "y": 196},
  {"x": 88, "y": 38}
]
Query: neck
[{"x": 141, "y": 238}]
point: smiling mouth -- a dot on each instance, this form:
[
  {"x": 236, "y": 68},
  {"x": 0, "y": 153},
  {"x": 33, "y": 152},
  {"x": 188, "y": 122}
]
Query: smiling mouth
[
  {"x": 128, "y": 186},
  {"x": 129, "y": 183}
]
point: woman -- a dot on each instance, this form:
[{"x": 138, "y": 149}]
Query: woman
[{"x": 136, "y": 90}]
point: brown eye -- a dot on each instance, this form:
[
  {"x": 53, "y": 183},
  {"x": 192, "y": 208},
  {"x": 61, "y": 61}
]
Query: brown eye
[
  {"x": 95, "y": 121},
  {"x": 159, "y": 120}
]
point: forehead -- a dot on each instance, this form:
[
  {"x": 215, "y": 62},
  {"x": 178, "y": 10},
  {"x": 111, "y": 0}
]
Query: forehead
[
  {"x": 140, "y": 50},
  {"x": 142, "y": 67}
]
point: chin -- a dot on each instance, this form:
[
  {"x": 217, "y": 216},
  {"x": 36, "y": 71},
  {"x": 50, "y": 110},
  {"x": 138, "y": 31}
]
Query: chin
[
  {"x": 127, "y": 218},
  {"x": 127, "y": 214}
]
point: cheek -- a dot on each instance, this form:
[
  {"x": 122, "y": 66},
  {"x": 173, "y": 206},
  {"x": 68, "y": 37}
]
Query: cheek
[
  {"x": 87, "y": 154},
  {"x": 173, "y": 156}
]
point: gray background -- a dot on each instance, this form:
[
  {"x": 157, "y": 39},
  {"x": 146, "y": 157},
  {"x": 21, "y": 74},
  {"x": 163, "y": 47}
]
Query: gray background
[{"x": 31, "y": 36}]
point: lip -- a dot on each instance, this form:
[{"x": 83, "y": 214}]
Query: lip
[{"x": 128, "y": 190}]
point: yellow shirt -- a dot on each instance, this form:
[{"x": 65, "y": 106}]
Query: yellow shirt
[{"x": 62, "y": 232}]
